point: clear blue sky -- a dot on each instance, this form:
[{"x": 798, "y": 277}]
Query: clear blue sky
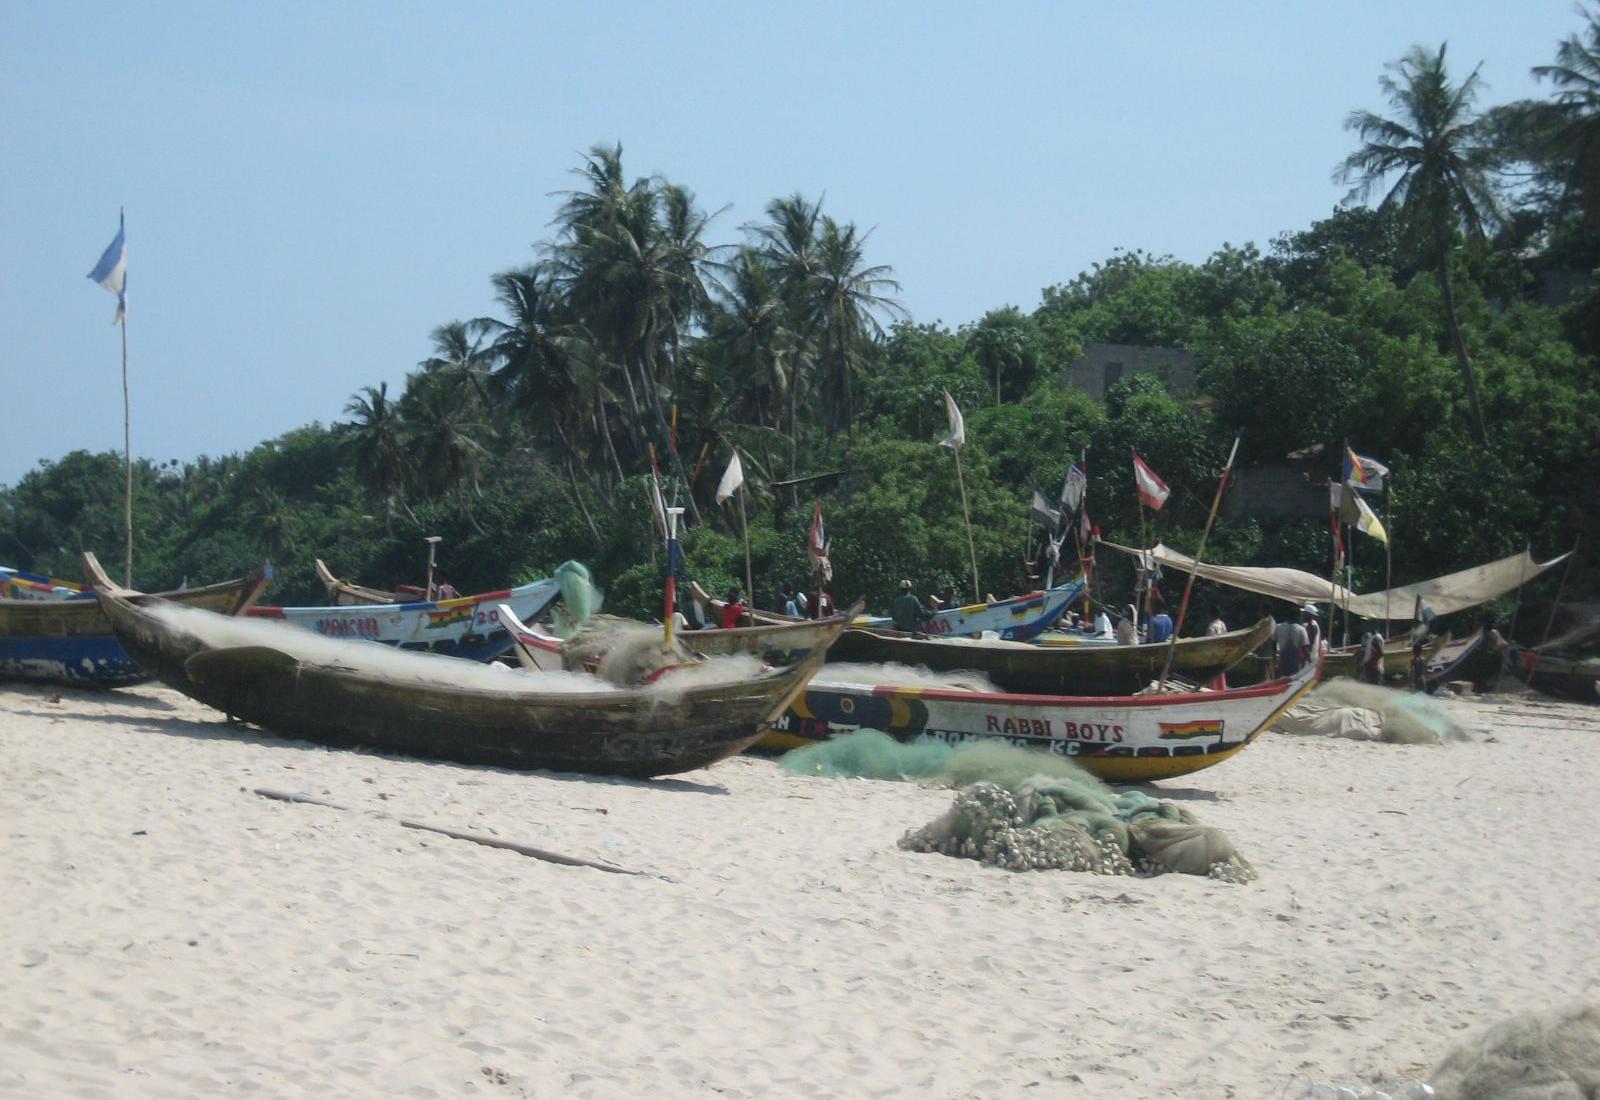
[{"x": 312, "y": 187}]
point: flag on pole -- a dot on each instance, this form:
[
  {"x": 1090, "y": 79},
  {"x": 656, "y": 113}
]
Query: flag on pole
[
  {"x": 1042, "y": 512},
  {"x": 112, "y": 270},
  {"x": 817, "y": 545},
  {"x": 1363, "y": 472},
  {"x": 958, "y": 426},
  {"x": 1073, "y": 490},
  {"x": 1367, "y": 521},
  {"x": 1152, "y": 490},
  {"x": 732, "y": 478}
]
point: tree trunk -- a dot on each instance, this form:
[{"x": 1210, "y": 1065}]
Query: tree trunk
[
  {"x": 1459, "y": 343},
  {"x": 577, "y": 494}
]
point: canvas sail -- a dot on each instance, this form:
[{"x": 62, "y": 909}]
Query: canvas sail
[{"x": 1442, "y": 595}]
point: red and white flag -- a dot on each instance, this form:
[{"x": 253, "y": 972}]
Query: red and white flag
[
  {"x": 817, "y": 546},
  {"x": 1152, "y": 490}
]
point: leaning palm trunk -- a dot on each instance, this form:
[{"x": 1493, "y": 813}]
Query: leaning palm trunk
[{"x": 1459, "y": 344}]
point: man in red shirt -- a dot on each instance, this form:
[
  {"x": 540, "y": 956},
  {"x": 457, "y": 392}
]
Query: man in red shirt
[{"x": 733, "y": 612}]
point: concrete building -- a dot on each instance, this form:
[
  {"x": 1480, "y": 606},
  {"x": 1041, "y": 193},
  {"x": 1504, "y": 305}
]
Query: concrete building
[{"x": 1101, "y": 365}]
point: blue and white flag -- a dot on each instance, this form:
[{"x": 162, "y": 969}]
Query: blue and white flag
[{"x": 112, "y": 270}]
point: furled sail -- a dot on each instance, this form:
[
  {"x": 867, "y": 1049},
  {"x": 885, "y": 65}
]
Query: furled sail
[{"x": 1441, "y": 595}]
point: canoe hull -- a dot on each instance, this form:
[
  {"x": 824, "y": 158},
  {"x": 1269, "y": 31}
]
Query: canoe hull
[
  {"x": 467, "y": 627},
  {"x": 69, "y": 642},
  {"x": 627, "y": 733},
  {"x": 1060, "y": 670},
  {"x": 1548, "y": 674},
  {"x": 1123, "y": 739}
]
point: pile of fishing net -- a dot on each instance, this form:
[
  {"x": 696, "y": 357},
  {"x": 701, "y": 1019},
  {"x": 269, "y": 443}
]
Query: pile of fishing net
[
  {"x": 1027, "y": 810},
  {"x": 623, "y": 652},
  {"x": 1532, "y": 1056},
  {"x": 1343, "y": 707},
  {"x": 580, "y": 599}
]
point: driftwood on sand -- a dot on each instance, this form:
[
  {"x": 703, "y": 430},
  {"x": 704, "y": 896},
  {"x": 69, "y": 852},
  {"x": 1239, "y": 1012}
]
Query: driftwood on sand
[{"x": 475, "y": 838}]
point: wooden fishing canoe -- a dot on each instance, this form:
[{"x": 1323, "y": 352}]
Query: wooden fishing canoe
[
  {"x": 1019, "y": 618},
  {"x": 18, "y": 584},
  {"x": 69, "y": 641},
  {"x": 1346, "y": 660},
  {"x": 467, "y": 626},
  {"x": 297, "y": 690},
  {"x": 1120, "y": 738},
  {"x": 1574, "y": 678},
  {"x": 344, "y": 593},
  {"x": 1059, "y": 670}
]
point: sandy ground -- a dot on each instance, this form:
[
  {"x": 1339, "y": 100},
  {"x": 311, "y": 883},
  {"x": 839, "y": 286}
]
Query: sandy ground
[{"x": 164, "y": 932}]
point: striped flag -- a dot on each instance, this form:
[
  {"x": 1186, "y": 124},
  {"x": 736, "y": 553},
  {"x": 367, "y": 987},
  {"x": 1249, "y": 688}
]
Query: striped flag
[{"x": 1152, "y": 490}]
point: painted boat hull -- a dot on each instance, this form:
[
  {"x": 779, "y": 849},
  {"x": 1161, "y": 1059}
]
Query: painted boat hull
[
  {"x": 467, "y": 627},
  {"x": 628, "y": 733},
  {"x": 1058, "y": 670},
  {"x": 1122, "y": 739},
  {"x": 1021, "y": 618},
  {"x": 16, "y": 584},
  {"x": 1561, "y": 677},
  {"x": 69, "y": 642}
]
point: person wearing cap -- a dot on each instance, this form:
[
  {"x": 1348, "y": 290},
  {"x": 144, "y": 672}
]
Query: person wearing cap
[
  {"x": 1308, "y": 616},
  {"x": 908, "y": 612}
]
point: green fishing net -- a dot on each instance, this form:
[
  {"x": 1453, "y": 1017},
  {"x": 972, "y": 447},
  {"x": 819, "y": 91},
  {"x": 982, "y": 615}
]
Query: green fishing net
[
  {"x": 580, "y": 599},
  {"x": 1403, "y": 717},
  {"x": 1027, "y": 810}
]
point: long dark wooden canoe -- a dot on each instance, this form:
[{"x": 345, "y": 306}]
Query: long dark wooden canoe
[
  {"x": 344, "y": 593},
  {"x": 1056, "y": 670},
  {"x": 1572, "y": 678},
  {"x": 70, "y": 641},
  {"x": 292, "y": 689}
]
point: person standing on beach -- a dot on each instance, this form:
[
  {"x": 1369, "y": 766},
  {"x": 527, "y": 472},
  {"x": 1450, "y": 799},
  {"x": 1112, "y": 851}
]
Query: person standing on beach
[
  {"x": 1160, "y": 627},
  {"x": 908, "y": 613},
  {"x": 1308, "y": 616},
  {"x": 1291, "y": 647}
]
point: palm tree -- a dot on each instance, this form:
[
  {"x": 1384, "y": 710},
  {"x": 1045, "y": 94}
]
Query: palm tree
[
  {"x": 460, "y": 358},
  {"x": 374, "y": 438},
  {"x": 442, "y": 437},
  {"x": 1576, "y": 75},
  {"x": 544, "y": 371},
  {"x": 788, "y": 244},
  {"x": 848, "y": 299},
  {"x": 750, "y": 335},
  {"x": 1436, "y": 150},
  {"x": 631, "y": 279}
]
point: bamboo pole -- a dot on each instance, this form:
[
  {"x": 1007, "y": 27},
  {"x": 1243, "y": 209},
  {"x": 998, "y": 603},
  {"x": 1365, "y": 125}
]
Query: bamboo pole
[
  {"x": 744, "y": 529},
  {"x": 1146, "y": 563},
  {"x": 1188, "y": 588},
  {"x": 972, "y": 551},
  {"x": 1560, "y": 591},
  {"x": 127, "y": 466},
  {"x": 1388, "y": 554}
]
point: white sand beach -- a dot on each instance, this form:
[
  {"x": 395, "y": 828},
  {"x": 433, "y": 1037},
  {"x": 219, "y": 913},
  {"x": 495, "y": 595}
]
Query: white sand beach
[{"x": 165, "y": 932}]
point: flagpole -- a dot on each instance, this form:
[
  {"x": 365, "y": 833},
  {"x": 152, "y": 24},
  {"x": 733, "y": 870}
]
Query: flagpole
[
  {"x": 1145, "y": 561},
  {"x": 977, "y": 594},
  {"x": 127, "y": 466},
  {"x": 744, "y": 529},
  {"x": 1388, "y": 553},
  {"x": 1188, "y": 588}
]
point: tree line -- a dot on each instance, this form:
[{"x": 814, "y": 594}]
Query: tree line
[{"x": 1446, "y": 319}]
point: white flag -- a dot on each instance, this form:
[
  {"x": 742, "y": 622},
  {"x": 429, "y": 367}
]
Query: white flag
[
  {"x": 112, "y": 270},
  {"x": 1152, "y": 490},
  {"x": 731, "y": 479},
  {"x": 958, "y": 426}
]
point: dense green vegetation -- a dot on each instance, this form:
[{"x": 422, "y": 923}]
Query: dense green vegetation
[{"x": 1451, "y": 329}]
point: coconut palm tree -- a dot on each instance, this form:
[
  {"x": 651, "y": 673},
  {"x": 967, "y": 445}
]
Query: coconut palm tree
[
  {"x": 544, "y": 372},
  {"x": 1576, "y": 76},
  {"x": 374, "y": 438},
  {"x": 1434, "y": 151},
  {"x": 848, "y": 299}
]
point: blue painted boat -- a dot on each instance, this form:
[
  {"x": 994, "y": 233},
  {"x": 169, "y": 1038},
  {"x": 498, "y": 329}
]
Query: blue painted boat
[
  {"x": 467, "y": 626},
  {"x": 67, "y": 640}
]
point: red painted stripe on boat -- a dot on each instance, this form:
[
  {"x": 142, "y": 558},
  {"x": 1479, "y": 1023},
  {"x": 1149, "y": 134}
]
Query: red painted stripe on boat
[{"x": 1257, "y": 691}]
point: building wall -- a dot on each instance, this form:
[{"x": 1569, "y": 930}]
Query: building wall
[
  {"x": 1100, "y": 365},
  {"x": 1277, "y": 491}
]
